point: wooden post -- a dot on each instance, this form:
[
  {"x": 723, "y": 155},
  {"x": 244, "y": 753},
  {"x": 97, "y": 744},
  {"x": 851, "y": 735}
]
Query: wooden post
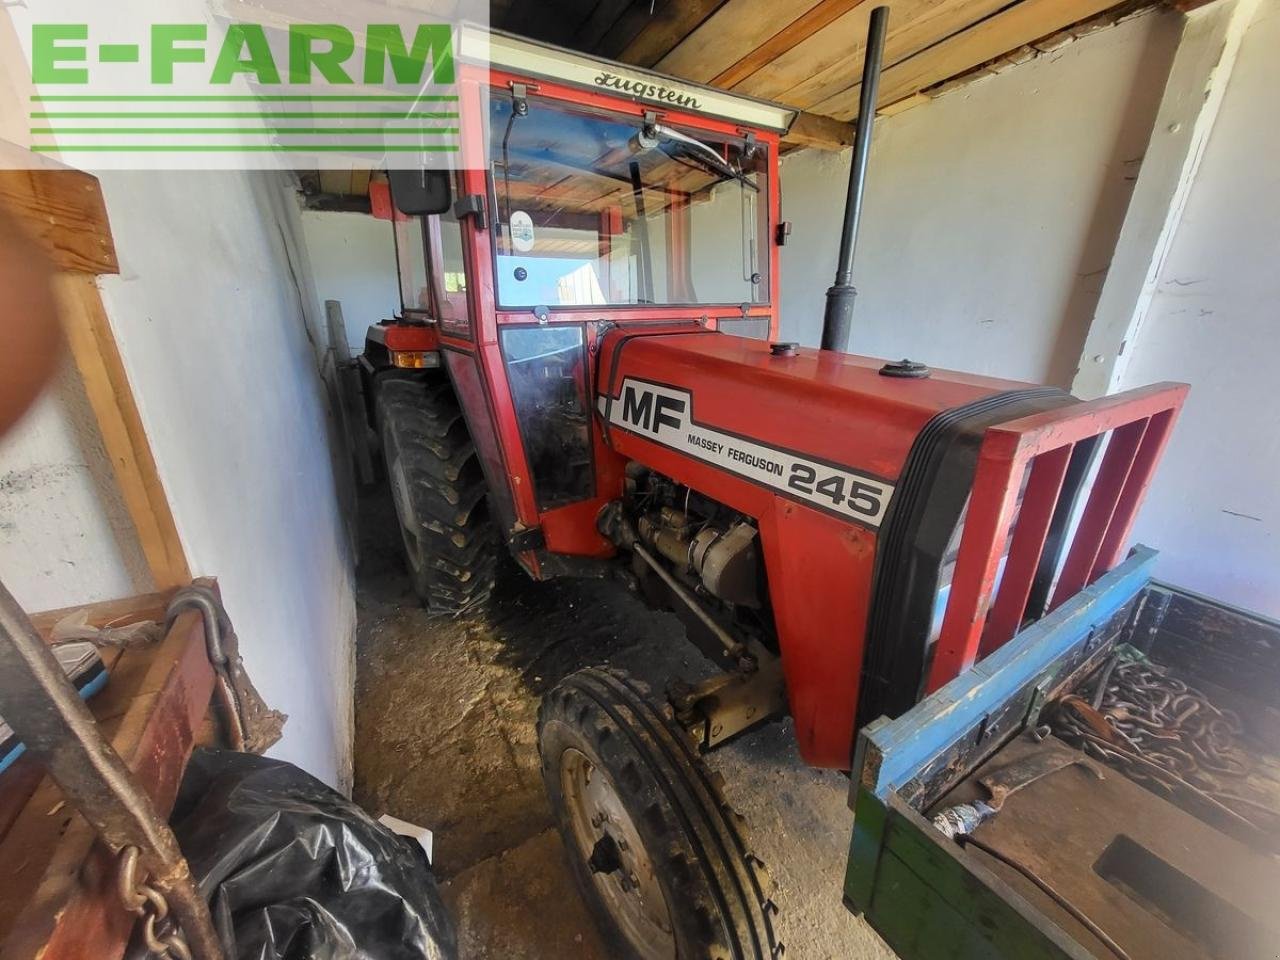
[{"x": 1193, "y": 95}]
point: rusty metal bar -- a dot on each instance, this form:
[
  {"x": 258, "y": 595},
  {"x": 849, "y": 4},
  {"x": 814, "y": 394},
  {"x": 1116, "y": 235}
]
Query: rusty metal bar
[{"x": 44, "y": 710}]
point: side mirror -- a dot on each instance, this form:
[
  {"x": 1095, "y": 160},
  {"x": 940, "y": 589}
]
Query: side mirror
[{"x": 421, "y": 192}]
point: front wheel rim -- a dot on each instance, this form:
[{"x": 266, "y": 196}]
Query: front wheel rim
[{"x": 621, "y": 868}]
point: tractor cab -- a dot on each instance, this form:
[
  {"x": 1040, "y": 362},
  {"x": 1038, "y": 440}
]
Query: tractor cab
[{"x": 586, "y": 199}]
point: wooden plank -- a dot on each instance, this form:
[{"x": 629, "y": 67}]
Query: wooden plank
[
  {"x": 107, "y": 387},
  {"x": 638, "y": 15},
  {"x": 60, "y": 209},
  {"x": 1021, "y": 24},
  {"x": 825, "y": 133},
  {"x": 728, "y": 35},
  {"x": 797, "y": 31},
  {"x": 837, "y": 42},
  {"x": 1193, "y": 95},
  {"x": 912, "y": 27},
  {"x": 109, "y": 613},
  {"x": 668, "y": 27}
]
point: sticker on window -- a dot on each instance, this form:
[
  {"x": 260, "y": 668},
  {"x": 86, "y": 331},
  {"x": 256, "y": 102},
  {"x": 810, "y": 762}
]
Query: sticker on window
[{"x": 521, "y": 231}]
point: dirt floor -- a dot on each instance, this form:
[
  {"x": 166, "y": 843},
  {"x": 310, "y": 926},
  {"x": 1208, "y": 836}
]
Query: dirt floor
[{"x": 445, "y": 714}]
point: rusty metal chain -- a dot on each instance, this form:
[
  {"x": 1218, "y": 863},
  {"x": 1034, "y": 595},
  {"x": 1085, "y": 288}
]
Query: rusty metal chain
[
  {"x": 161, "y": 933},
  {"x": 1157, "y": 729}
]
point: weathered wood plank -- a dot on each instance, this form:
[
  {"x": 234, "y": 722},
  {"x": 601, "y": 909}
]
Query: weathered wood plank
[
  {"x": 912, "y": 28},
  {"x": 668, "y": 27},
  {"x": 728, "y": 35},
  {"x": 1024, "y": 23},
  {"x": 797, "y": 31},
  {"x": 835, "y": 43},
  {"x": 825, "y": 133},
  {"x": 60, "y": 209},
  {"x": 108, "y": 613},
  {"x": 597, "y": 25},
  {"x": 107, "y": 387}
]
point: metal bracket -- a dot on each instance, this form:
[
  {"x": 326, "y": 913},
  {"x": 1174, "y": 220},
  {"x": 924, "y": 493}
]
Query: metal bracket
[
  {"x": 729, "y": 703},
  {"x": 471, "y": 205},
  {"x": 520, "y": 98}
]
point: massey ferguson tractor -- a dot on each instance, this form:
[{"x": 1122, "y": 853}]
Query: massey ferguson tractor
[{"x": 587, "y": 373}]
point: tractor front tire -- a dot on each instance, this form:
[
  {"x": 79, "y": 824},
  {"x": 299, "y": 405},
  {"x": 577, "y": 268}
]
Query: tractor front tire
[
  {"x": 450, "y": 544},
  {"x": 656, "y": 851}
]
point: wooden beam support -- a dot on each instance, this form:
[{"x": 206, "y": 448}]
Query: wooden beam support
[
  {"x": 62, "y": 211},
  {"x": 797, "y": 31},
  {"x": 107, "y": 387},
  {"x": 1193, "y": 96},
  {"x": 814, "y": 130},
  {"x": 1020, "y": 24},
  {"x": 732, "y": 32},
  {"x": 667, "y": 28}
]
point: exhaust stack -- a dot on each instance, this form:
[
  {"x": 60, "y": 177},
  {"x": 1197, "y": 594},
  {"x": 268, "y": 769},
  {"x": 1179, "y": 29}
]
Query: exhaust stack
[{"x": 839, "y": 313}]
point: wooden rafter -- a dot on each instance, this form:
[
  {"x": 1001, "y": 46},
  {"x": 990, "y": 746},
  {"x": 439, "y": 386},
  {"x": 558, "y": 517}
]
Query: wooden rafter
[{"x": 805, "y": 53}]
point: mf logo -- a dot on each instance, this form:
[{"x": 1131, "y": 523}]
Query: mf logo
[{"x": 650, "y": 410}]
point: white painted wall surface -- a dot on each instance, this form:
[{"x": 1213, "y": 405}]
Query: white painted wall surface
[
  {"x": 353, "y": 258},
  {"x": 211, "y": 327},
  {"x": 65, "y": 537},
  {"x": 1213, "y": 509},
  {"x": 991, "y": 212}
]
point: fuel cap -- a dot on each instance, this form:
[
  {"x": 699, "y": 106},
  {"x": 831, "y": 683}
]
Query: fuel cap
[{"x": 905, "y": 370}]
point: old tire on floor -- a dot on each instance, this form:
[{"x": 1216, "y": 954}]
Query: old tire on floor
[
  {"x": 655, "y": 849},
  {"x": 450, "y": 545}
]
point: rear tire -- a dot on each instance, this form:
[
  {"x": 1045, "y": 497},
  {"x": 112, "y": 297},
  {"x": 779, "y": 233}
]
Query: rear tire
[
  {"x": 450, "y": 545},
  {"x": 656, "y": 851}
]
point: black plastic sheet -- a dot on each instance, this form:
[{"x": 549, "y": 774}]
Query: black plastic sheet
[{"x": 292, "y": 870}]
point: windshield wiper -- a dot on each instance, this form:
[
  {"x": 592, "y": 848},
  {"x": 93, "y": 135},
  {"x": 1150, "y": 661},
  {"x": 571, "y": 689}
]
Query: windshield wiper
[{"x": 702, "y": 152}]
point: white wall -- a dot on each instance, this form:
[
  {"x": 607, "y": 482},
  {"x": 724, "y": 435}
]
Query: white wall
[
  {"x": 65, "y": 537},
  {"x": 991, "y": 212},
  {"x": 1213, "y": 509},
  {"x": 211, "y": 318},
  {"x": 353, "y": 258}
]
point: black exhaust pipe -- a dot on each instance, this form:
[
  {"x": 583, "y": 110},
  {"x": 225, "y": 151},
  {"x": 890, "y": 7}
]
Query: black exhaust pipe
[{"x": 839, "y": 314}]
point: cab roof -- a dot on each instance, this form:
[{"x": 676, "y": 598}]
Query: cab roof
[{"x": 514, "y": 54}]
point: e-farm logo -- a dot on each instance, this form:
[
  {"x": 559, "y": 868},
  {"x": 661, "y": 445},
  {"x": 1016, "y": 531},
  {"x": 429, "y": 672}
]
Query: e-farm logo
[{"x": 202, "y": 89}]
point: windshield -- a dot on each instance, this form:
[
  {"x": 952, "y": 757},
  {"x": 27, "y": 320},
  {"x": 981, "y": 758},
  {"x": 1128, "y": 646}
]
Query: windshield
[{"x": 594, "y": 209}]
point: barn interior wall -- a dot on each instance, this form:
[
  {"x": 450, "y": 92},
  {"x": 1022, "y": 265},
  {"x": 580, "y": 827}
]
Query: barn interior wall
[
  {"x": 1214, "y": 323},
  {"x": 353, "y": 258},
  {"x": 212, "y": 325},
  {"x": 991, "y": 212}
]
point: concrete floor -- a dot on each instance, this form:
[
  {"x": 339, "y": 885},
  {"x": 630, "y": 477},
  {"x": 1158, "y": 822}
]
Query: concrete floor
[{"x": 445, "y": 714}]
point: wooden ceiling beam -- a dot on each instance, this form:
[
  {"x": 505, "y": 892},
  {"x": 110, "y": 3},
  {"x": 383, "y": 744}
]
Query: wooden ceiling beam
[
  {"x": 670, "y": 25},
  {"x": 732, "y": 32},
  {"x": 1007, "y": 30},
  {"x": 919, "y": 28},
  {"x": 824, "y": 133},
  {"x": 816, "y": 18}
]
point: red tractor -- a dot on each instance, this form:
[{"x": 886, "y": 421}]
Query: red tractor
[{"x": 587, "y": 372}]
